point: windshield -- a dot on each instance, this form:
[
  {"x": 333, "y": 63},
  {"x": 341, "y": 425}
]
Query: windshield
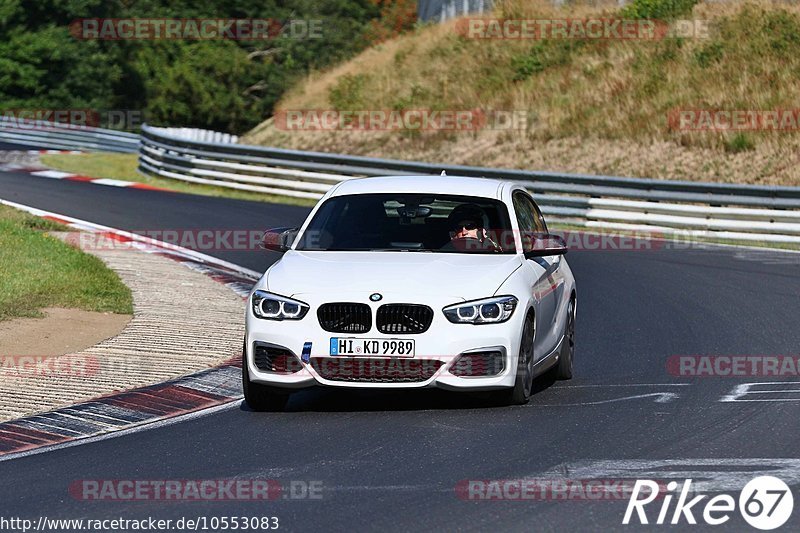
[{"x": 409, "y": 222}]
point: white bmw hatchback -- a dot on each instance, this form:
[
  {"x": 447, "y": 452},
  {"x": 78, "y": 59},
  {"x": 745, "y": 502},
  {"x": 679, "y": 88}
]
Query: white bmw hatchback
[{"x": 410, "y": 282}]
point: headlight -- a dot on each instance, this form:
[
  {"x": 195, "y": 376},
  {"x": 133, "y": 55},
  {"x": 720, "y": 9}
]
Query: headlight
[
  {"x": 273, "y": 307},
  {"x": 486, "y": 311}
]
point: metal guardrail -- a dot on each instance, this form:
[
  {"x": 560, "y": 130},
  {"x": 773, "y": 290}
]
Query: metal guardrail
[
  {"x": 715, "y": 210},
  {"x": 196, "y": 134},
  {"x": 57, "y": 136}
]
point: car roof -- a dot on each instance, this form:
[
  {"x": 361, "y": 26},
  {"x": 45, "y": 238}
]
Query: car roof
[{"x": 457, "y": 185}]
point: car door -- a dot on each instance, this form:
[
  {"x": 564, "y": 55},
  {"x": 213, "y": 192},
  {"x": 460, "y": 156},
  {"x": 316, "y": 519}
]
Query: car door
[{"x": 544, "y": 271}]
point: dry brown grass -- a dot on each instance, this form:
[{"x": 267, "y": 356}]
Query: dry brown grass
[{"x": 597, "y": 106}]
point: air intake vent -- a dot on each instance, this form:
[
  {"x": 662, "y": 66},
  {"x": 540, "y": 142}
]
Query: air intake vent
[
  {"x": 478, "y": 364},
  {"x": 276, "y": 360}
]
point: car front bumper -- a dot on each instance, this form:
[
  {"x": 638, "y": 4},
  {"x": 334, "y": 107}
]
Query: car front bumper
[{"x": 438, "y": 347}]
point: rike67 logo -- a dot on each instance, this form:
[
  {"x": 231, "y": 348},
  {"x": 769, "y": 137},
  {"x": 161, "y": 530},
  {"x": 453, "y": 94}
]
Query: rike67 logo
[{"x": 765, "y": 503}]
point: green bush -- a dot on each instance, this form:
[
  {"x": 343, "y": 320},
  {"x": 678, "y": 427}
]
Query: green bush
[
  {"x": 709, "y": 54},
  {"x": 543, "y": 55},
  {"x": 739, "y": 143},
  {"x": 348, "y": 91},
  {"x": 657, "y": 9}
]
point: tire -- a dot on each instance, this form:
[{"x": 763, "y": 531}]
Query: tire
[
  {"x": 260, "y": 397},
  {"x": 520, "y": 393},
  {"x": 563, "y": 369}
]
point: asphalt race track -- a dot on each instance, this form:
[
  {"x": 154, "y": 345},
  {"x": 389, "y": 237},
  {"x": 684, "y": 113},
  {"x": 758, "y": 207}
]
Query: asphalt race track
[
  {"x": 15, "y": 146},
  {"x": 392, "y": 461}
]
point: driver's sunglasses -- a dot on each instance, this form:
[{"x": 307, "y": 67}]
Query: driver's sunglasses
[{"x": 469, "y": 226}]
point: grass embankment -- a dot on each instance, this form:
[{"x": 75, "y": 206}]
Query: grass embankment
[
  {"x": 123, "y": 167},
  {"x": 595, "y": 105},
  {"x": 39, "y": 271}
]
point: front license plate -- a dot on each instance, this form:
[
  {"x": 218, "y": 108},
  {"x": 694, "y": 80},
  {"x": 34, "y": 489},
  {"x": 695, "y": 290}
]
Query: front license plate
[{"x": 382, "y": 347}]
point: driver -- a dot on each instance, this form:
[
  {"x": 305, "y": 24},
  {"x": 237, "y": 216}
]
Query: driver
[{"x": 467, "y": 225}]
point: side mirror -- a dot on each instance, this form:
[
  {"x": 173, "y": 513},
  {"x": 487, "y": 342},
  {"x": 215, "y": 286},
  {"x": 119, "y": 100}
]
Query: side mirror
[
  {"x": 279, "y": 239},
  {"x": 540, "y": 244}
]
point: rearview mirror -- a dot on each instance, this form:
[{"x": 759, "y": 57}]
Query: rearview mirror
[
  {"x": 540, "y": 244},
  {"x": 279, "y": 239}
]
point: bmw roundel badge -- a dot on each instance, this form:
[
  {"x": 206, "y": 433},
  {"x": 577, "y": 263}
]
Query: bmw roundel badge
[{"x": 376, "y": 297}]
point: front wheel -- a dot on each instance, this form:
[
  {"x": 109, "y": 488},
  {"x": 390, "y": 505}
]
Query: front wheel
[
  {"x": 566, "y": 358},
  {"x": 520, "y": 394},
  {"x": 260, "y": 397}
]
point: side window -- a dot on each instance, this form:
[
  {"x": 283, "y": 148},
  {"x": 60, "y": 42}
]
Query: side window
[
  {"x": 525, "y": 217},
  {"x": 529, "y": 217},
  {"x": 540, "y": 225}
]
